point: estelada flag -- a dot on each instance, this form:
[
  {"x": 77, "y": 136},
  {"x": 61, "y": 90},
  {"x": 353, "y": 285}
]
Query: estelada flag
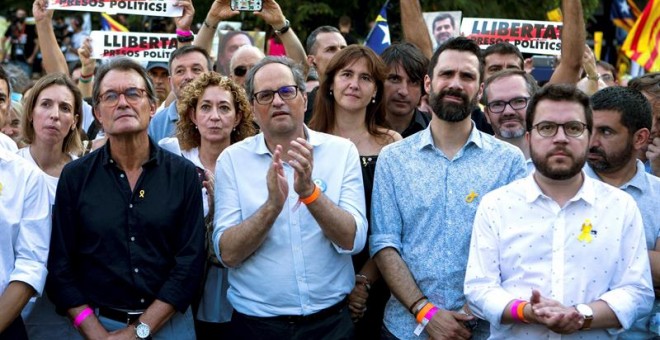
[
  {"x": 643, "y": 42},
  {"x": 110, "y": 24}
]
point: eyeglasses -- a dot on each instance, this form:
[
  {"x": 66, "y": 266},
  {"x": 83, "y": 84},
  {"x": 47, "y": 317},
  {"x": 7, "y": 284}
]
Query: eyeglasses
[
  {"x": 132, "y": 95},
  {"x": 498, "y": 106},
  {"x": 240, "y": 71},
  {"x": 606, "y": 77},
  {"x": 286, "y": 93},
  {"x": 571, "y": 129}
]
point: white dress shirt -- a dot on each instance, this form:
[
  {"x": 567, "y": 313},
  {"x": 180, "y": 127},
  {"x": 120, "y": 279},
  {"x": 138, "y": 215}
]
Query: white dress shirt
[
  {"x": 297, "y": 270},
  {"x": 523, "y": 240},
  {"x": 7, "y": 143},
  {"x": 25, "y": 223}
]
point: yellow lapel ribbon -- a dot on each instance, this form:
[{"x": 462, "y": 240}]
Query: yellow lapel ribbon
[
  {"x": 585, "y": 235},
  {"x": 470, "y": 198},
  {"x": 141, "y": 193},
  {"x": 0, "y": 188}
]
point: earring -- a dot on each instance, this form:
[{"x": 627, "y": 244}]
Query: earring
[
  {"x": 331, "y": 93},
  {"x": 195, "y": 127},
  {"x": 373, "y": 100}
]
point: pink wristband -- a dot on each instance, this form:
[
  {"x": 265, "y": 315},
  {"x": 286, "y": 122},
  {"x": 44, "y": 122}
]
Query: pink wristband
[
  {"x": 82, "y": 316},
  {"x": 514, "y": 310},
  {"x": 429, "y": 315},
  {"x": 183, "y": 33}
]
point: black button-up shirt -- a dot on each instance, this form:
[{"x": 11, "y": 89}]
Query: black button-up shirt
[{"x": 117, "y": 248}]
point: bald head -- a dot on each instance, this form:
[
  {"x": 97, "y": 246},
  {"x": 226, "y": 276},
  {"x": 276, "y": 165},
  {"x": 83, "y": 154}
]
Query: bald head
[{"x": 243, "y": 59}]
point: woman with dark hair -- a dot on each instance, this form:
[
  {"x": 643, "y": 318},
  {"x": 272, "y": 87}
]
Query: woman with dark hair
[
  {"x": 349, "y": 104},
  {"x": 213, "y": 113},
  {"x": 51, "y": 128}
]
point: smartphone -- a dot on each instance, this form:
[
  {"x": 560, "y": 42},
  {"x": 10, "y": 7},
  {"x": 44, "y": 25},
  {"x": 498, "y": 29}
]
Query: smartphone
[
  {"x": 201, "y": 174},
  {"x": 547, "y": 61},
  {"x": 245, "y": 5}
]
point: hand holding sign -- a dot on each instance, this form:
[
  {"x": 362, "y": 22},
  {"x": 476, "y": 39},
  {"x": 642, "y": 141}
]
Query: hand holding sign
[
  {"x": 272, "y": 14},
  {"x": 219, "y": 11},
  {"x": 185, "y": 20},
  {"x": 41, "y": 12}
]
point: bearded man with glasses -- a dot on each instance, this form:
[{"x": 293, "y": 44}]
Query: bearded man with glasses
[
  {"x": 575, "y": 243},
  {"x": 505, "y": 97},
  {"x": 290, "y": 212},
  {"x": 127, "y": 250}
]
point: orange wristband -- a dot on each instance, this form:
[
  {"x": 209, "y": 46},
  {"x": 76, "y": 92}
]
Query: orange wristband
[
  {"x": 311, "y": 198},
  {"x": 521, "y": 311},
  {"x": 427, "y": 307}
]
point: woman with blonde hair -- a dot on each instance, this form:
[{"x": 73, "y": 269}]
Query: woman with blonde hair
[
  {"x": 213, "y": 113},
  {"x": 12, "y": 126},
  {"x": 349, "y": 104}
]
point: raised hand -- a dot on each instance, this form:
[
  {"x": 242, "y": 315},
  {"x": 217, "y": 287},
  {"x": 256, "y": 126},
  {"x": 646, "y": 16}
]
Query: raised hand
[
  {"x": 278, "y": 187},
  {"x": 302, "y": 161},
  {"x": 185, "y": 20}
]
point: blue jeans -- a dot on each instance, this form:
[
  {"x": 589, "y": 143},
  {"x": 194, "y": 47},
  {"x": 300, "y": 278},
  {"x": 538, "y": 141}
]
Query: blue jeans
[{"x": 179, "y": 327}]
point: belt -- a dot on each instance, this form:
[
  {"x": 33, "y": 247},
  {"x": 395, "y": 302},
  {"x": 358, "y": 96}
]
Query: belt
[
  {"x": 122, "y": 316},
  {"x": 298, "y": 319}
]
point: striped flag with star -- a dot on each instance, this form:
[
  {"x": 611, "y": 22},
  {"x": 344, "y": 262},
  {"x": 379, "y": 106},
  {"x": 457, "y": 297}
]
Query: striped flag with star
[
  {"x": 643, "y": 42},
  {"x": 110, "y": 24},
  {"x": 379, "y": 37},
  {"x": 624, "y": 13}
]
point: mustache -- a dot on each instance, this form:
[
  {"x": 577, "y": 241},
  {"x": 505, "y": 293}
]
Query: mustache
[
  {"x": 454, "y": 93},
  {"x": 597, "y": 151}
]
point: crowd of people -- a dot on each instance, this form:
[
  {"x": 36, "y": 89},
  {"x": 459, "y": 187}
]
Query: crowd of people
[{"x": 426, "y": 192}]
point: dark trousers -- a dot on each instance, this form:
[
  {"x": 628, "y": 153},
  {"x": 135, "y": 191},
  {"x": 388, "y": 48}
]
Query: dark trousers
[
  {"x": 336, "y": 326},
  {"x": 15, "y": 331}
]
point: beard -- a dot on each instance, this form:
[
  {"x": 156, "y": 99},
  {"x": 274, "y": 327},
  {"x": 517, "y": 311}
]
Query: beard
[
  {"x": 556, "y": 171},
  {"x": 451, "y": 112},
  {"x": 612, "y": 162}
]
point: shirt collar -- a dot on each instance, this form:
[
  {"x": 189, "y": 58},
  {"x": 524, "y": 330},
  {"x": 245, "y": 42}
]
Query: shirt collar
[
  {"x": 638, "y": 181},
  {"x": 586, "y": 192},
  {"x": 426, "y": 138},
  {"x": 314, "y": 138},
  {"x": 172, "y": 112},
  {"x": 155, "y": 154}
]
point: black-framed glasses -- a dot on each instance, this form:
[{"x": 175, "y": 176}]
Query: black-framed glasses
[
  {"x": 240, "y": 71},
  {"x": 132, "y": 95},
  {"x": 286, "y": 93},
  {"x": 549, "y": 129},
  {"x": 498, "y": 106}
]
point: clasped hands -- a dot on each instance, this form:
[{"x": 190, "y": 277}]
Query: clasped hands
[{"x": 300, "y": 158}]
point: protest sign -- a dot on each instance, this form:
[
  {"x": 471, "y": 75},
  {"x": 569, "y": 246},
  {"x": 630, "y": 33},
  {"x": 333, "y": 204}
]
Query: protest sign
[
  {"x": 160, "y": 8},
  {"x": 536, "y": 37},
  {"x": 139, "y": 46}
]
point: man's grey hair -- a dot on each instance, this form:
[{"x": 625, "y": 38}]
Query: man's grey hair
[{"x": 296, "y": 70}]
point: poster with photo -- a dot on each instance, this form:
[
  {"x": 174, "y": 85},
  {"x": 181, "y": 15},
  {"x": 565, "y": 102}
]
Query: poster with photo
[
  {"x": 442, "y": 25},
  {"x": 226, "y": 42}
]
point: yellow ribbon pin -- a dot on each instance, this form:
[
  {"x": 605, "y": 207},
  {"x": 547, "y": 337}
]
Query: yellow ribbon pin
[
  {"x": 0, "y": 188},
  {"x": 585, "y": 235},
  {"x": 471, "y": 196},
  {"x": 141, "y": 193}
]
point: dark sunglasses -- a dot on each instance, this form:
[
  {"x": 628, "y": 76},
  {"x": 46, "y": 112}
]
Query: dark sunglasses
[{"x": 240, "y": 71}]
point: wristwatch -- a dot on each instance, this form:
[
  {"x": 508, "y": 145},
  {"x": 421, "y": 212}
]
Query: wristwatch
[
  {"x": 283, "y": 29},
  {"x": 587, "y": 314},
  {"x": 142, "y": 331}
]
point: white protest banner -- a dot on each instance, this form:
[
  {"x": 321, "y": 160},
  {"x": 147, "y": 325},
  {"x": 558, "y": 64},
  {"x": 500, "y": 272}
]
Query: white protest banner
[
  {"x": 159, "y": 8},
  {"x": 536, "y": 37},
  {"x": 139, "y": 46}
]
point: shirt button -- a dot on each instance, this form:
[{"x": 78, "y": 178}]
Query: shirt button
[
  {"x": 121, "y": 175},
  {"x": 130, "y": 205},
  {"x": 136, "y": 270},
  {"x": 132, "y": 238},
  {"x": 141, "y": 300}
]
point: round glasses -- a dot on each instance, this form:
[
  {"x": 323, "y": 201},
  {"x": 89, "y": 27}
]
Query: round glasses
[
  {"x": 132, "y": 95},
  {"x": 549, "y": 129},
  {"x": 285, "y": 92},
  {"x": 240, "y": 71},
  {"x": 498, "y": 106}
]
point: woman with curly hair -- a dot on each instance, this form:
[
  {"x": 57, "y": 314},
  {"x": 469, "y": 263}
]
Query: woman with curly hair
[{"x": 213, "y": 113}]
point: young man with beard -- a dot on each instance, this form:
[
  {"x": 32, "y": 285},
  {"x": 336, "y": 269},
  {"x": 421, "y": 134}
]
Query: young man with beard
[
  {"x": 505, "y": 98},
  {"x": 576, "y": 244},
  {"x": 426, "y": 191},
  {"x": 622, "y": 124}
]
